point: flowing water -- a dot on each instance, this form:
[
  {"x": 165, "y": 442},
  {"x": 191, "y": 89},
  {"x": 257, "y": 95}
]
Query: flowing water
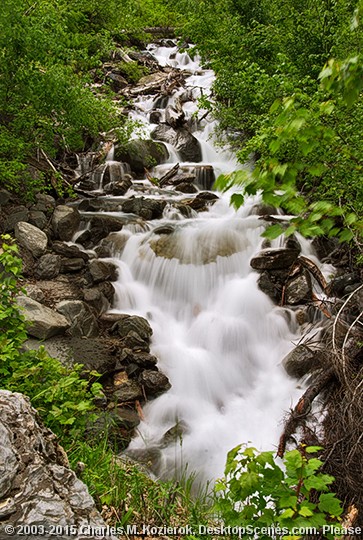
[{"x": 218, "y": 338}]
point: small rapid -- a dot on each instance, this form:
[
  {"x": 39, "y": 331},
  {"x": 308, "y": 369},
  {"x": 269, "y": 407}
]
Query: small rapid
[{"x": 217, "y": 337}]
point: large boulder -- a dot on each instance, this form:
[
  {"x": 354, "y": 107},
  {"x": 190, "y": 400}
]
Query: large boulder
[
  {"x": 132, "y": 323},
  {"x": 301, "y": 361},
  {"x": 32, "y": 238},
  {"x": 48, "y": 266},
  {"x": 43, "y": 321},
  {"x": 145, "y": 208},
  {"x": 183, "y": 141},
  {"x": 174, "y": 116},
  {"x": 65, "y": 222},
  {"x": 298, "y": 289},
  {"x": 37, "y": 486},
  {"x": 81, "y": 318},
  {"x": 141, "y": 154},
  {"x": 103, "y": 271},
  {"x": 154, "y": 382}
]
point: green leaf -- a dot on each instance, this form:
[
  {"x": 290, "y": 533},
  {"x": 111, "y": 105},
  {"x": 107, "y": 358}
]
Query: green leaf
[
  {"x": 237, "y": 200},
  {"x": 330, "y": 504}
]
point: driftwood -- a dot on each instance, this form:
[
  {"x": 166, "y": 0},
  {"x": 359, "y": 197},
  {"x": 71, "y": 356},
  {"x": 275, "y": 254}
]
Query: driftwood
[
  {"x": 303, "y": 407},
  {"x": 314, "y": 271},
  {"x": 166, "y": 177},
  {"x": 165, "y": 31}
]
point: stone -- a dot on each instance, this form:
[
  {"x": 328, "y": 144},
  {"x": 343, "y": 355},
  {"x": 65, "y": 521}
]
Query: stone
[
  {"x": 106, "y": 223},
  {"x": 132, "y": 323},
  {"x": 141, "y": 359},
  {"x": 4, "y": 197},
  {"x": 71, "y": 265},
  {"x": 174, "y": 117},
  {"x": 141, "y": 154},
  {"x": 301, "y": 361},
  {"x": 155, "y": 117},
  {"x": 270, "y": 287},
  {"x": 38, "y": 219},
  {"x": 103, "y": 271},
  {"x": 48, "y": 266},
  {"x": 154, "y": 383},
  {"x": 117, "y": 81},
  {"x": 127, "y": 391},
  {"x": 298, "y": 290},
  {"x": 186, "y": 187},
  {"x": 60, "y": 288},
  {"x": 128, "y": 418},
  {"x": 19, "y": 214},
  {"x": 37, "y": 485},
  {"x": 184, "y": 142},
  {"x": 205, "y": 176},
  {"x": 43, "y": 321},
  {"x": 339, "y": 283},
  {"x": 324, "y": 246},
  {"x": 145, "y": 208},
  {"x": 61, "y": 248},
  {"x": 32, "y": 238},
  {"x": 96, "y": 299},
  {"x": 119, "y": 188},
  {"x": 45, "y": 203},
  {"x": 65, "y": 222},
  {"x": 274, "y": 259},
  {"x": 81, "y": 318}
]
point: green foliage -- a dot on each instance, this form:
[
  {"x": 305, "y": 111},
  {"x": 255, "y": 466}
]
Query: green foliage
[
  {"x": 132, "y": 71},
  {"x": 258, "y": 493},
  {"x": 63, "y": 397}
]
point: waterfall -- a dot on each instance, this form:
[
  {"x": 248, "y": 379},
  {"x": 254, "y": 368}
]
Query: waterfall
[{"x": 217, "y": 337}]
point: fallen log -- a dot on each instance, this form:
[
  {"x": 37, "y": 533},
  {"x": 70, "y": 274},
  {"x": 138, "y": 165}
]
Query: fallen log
[
  {"x": 166, "y": 177},
  {"x": 165, "y": 31}
]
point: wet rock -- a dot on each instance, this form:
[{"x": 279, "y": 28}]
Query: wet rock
[
  {"x": 43, "y": 321},
  {"x": 205, "y": 176},
  {"x": 269, "y": 286},
  {"x": 128, "y": 418},
  {"x": 141, "y": 154},
  {"x": 186, "y": 187},
  {"x": 174, "y": 434},
  {"x": 107, "y": 290},
  {"x": 141, "y": 359},
  {"x": 69, "y": 266},
  {"x": 134, "y": 341},
  {"x": 32, "y": 238},
  {"x": 48, "y": 266},
  {"x": 299, "y": 290},
  {"x": 103, "y": 271},
  {"x": 81, "y": 319},
  {"x": 106, "y": 223},
  {"x": 263, "y": 210},
  {"x": 271, "y": 259},
  {"x": 69, "y": 252},
  {"x": 324, "y": 246},
  {"x": 145, "y": 208},
  {"x": 174, "y": 117},
  {"x": 132, "y": 323},
  {"x": 338, "y": 285},
  {"x": 154, "y": 383},
  {"x": 118, "y": 82},
  {"x": 38, "y": 219},
  {"x": 182, "y": 178},
  {"x": 119, "y": 188},
  {"x": 65, "y": 222},
  {"x": 36, "y": 484},
  {"x": 155, "y": 117},
  {"x": 18, "y": 214},
  {"x": 301, "y": 361},
  {"x": 184, "y": 142}
]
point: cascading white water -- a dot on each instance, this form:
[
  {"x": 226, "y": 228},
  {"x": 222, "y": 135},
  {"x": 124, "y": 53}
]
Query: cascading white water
[{"x": 218, "y": 338}]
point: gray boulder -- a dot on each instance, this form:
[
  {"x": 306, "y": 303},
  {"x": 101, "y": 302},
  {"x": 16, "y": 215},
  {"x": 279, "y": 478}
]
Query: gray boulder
[
  {"x": 301, "y": 361},
  {"x": 81, "y": 318},
  {"x": 133, "y": 323},
  {"x": 141, "y": 154},
  {"x": 299, "y": 289},
  {"x": 102, "y": 271},
  {"x": 48, "y": 266},
  {"x": 274, "y": 259},
  {"x": 154, "y": 383},
  {"x": 43, "y": 321},
  {"x": 32, "y": 238},
  {"x": 65, "y": 222},
  {"x": 37, "y": 485},
  {"x": 183, "y": 141}
]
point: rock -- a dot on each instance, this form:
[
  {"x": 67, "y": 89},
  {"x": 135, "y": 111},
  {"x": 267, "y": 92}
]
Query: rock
[
  {"x": 175, "y": 434},
  {"x": 72, "y": 265},
  {"x": 18, "y": 214},
  {"x": 119, "y": 188},
  {"x": 174, "y": 117},
  {"x": 96, "y": 299},
  {"x": 271, "y": 259},
  {"x": 36, "y": 484},
  {"x": 61, "y": 248},
  {"x": 128, "y": 418},
  {"x": 127, "y": 390},
  {"x": 134, "y": 341},
  {"x": 48, "y": 266},
  {"x": 38, "y": 219},
  {"x": 103, "y": 271},
  {"x": 117, "y": 81},
  {"x": 184, "y": 142},
  {"x": 182, "y": 178},
  {"x": 106, "y": 223},
  {"x": 145, "y": 208},
  {"x": 154, "y": 383},
  {"x": 202, "y": 200},
  {"x": 44, "y": 322},
  {"x": 58, "y": 289},
  {"x": 82, "y": 321},
  {"x": 262, "y": 209},
  {"x": 339, "y": 283},
  {"x": 205, "y": 176},
  {"x": 155, "y": 117},
  {"x": 65, "y": 222},
  {"x": 32, "y": 238},
  {"x": 269, "y": 286},
  {"x": 34, "y": 292},
  {"x": 132, "y": 323},
  {"x": 4, "y": 197},
  {"x": 298, "y": 290},
  {"x": 141, "y": 359},
  {"x": 186, "y": 187},
  {"x": 301, "y": 361},
  {"x": 324, "y": 246},
  {"x": 141, "y": 154},
  {"x": 45, "y": 203}
]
